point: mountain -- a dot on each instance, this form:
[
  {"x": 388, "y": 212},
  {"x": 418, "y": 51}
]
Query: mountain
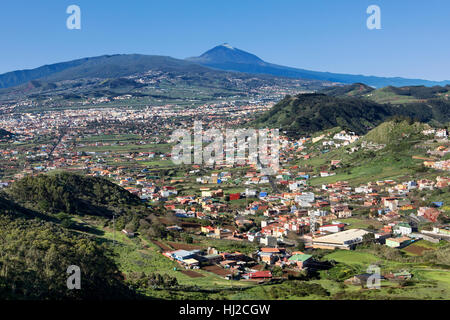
[
  {"x": 108, "y": 66},
  {"x": 226, "y": 57},
  {"x": 305, "y": 114},
  {"x": 15, "y": 78},
  {"x": 149, "y": 79},
  {"x": 224, "y": 54},
  {"x": 223, "y": 57}
]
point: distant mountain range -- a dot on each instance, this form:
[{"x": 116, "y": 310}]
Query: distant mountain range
[
  {"x": 146, "y": 79},
  {"x": 226, "y": 57},
  {"x": 221, "y": 58},
  {"x": 108, "y": 66}
]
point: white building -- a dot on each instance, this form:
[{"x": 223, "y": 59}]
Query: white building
[
  {"x": 340, "y": 240},
  {"x": 403, "y": 229},
  {"x": 269, "y": 241},
  {"x": 333, "y": 228}
]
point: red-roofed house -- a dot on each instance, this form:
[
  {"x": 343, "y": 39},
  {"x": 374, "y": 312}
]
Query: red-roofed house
[{"x": 266, "y": 274}]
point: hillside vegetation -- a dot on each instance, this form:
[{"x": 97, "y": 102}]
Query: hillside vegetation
[
  {"x": 385, "y": 152},
  {"x": 390, "y": 93},
  {"x": 35, "y": 255},
  {"x": 305, "y": 114},
  {"x": 309, "y": 113},
  {"x": 351, "y": 90},
  {"x": 394, "y": 132},
  {"x": 50, "y": 222},
  {"x": 72, "y": 193}
]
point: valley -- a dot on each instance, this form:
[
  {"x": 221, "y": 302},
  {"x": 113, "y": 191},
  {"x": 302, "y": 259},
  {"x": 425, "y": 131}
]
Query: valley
[{"x": 88, "y": 178}]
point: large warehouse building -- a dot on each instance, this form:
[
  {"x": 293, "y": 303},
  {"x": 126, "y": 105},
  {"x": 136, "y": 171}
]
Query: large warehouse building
[{"x": 340, "y": 240}]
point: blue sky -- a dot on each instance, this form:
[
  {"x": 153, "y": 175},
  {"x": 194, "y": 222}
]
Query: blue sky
[{"x": 322, "y": 35}]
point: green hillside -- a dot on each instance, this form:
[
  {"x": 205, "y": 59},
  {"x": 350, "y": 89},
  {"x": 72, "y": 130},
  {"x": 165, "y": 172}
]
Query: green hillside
[
  {"x": 392, "y": 133},
  {"x": 72, "y": 193},
  {"x": 305, "y": 114},
  {"x": 351, "y": 90},
  {"x": 385, "y": 152},
  {"x": 309, "y": 113},
  {"x": 35, "y": 255},
  {"x": 390, "y": 94},
  {"x": 50, "y": 222}
]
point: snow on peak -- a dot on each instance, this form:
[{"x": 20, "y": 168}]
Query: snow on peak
[{"x": 226, "y": 45}]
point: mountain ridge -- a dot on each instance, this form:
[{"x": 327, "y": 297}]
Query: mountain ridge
[
  {"x": 220, "y": 58},
  {"x": 213, "y": 58},
  {"x": 105, "y": 66}
]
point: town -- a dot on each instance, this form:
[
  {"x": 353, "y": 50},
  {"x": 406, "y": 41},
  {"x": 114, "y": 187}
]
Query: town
[{"x": 278, "y": 221}]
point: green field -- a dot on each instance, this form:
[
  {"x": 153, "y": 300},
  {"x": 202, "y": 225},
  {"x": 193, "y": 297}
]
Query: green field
[
  {"x": 139, "y": 255},
  {"x": 427, "y": 283}
]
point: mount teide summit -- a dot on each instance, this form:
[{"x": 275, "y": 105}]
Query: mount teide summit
[
  {"x": 225, "y": 53},
  {"x": 226, "y": 57}
]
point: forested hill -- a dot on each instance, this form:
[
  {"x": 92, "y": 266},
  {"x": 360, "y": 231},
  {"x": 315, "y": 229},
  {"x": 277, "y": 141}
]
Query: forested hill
[
  {"x": 72, "y": 194},
  {"x": 42, "y": 233},
  {"x": 308, "y": 113},
  {"x": 352, "y": 90},
  {"x": 390, "y": 94},
  {"x": 35, "y": 255}
]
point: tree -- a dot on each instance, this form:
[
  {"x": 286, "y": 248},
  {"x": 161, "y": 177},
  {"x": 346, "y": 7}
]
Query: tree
[
  {"x": 368, "y": 238},
  {"x": 277, "y": 271},
  {"x": 187, "y": 238},
  {"x": 300, "y": 246}
]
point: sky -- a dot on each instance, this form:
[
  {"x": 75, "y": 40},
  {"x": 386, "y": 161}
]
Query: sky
[{"x": 321, "y": 35}]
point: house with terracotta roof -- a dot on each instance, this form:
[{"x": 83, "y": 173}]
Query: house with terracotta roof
[
  {"x": 265, "y": 274},
  {"x": 207, "y": 229},
  {"x": 431, "y": 214}
]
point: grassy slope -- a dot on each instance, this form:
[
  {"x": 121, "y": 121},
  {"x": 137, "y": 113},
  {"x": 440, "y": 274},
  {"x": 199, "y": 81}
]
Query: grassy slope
[
  {"x": 140, "y": 255},
  {"x": 392, "y": 162},
  {"x": 428, "y": 283}
]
